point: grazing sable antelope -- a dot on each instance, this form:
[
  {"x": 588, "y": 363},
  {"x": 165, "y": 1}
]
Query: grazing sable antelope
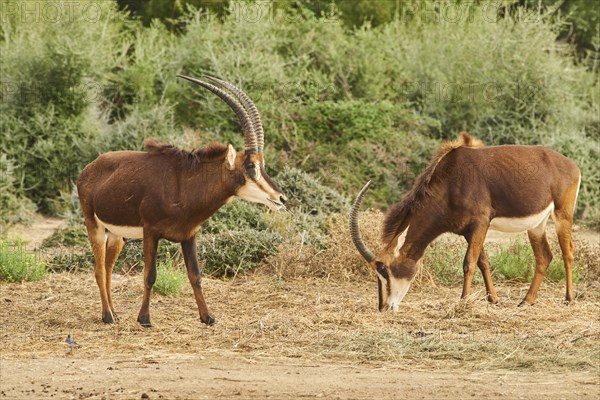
[
  {"x": 166, "y": 192},
  {"x": 467, "y": 189}
]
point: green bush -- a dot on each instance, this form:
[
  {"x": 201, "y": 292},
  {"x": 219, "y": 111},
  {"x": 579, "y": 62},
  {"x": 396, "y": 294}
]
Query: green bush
[
  {"x": 308, "y": 195},
  {"x": 516, "y": 262},
  {"x": 14, "y": 206},
  {"x": 229, "y": 254},
  {"x": 17, "y": 264},
  {"x": 169, "y": 277},
  {"x": 343, "y": 105},
  {"x": 238, "y": 215}
]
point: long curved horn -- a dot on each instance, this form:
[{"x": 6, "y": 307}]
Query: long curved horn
[
  {"x": 356, "y": 238},
  {"x": 250, "y": 142},
  {"x": 250, "y": 108}
]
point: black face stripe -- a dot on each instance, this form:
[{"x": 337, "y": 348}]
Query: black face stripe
[
  {"x": 379, "y": 293},
  {"x": 269, "y": 180},
  {"x": 382, "y": 270}
]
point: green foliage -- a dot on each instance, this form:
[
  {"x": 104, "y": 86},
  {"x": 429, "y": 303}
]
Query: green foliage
[
  {"x": 516, "y": 262},
  {"x": 341, "y": 105},
  {"x": 169, "y": 11},
  {"x": 17, "y": 264},
  {"x": 309, "y": 195},
  {"x": 580, "y": 24},
  {"x": 238, "y": 215},
  {"x": 169, "y": 277},
  {"x": 444, "y": 262},
  {"x": 228, "y": 254},
  {"x": 14, "y": 206},
  {"x": 72, "y": 234}
]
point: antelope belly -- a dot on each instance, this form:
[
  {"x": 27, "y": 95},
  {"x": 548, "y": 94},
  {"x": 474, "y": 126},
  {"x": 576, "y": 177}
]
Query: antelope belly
[
  {"x": 129, "y": 232},
  {"x": 520, "y": 224}
]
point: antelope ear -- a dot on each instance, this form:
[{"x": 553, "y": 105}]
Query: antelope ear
[{"x": 230, "y": 158}]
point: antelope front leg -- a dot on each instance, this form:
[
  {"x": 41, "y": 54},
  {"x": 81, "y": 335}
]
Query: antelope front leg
[
  {"x": 150, "y": 246},
  {"x": 475, "y": 238},
  {"x": 188, "y": 248}
]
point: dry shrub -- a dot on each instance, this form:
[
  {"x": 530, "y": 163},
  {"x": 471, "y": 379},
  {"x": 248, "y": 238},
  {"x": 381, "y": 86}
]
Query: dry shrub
[
  {"x": 587, "y": 259},
  {"x": 339, "y": 260}
]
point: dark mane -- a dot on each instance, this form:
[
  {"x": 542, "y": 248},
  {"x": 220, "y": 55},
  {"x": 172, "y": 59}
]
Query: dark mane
[
  {"x": 396, "y": 219},
  {"x": 213, "y": 151}
]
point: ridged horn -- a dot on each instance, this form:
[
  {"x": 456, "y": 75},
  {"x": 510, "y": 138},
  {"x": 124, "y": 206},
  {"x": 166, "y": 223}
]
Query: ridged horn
[
  {"x": 250, "y": 142},
  {"x": 250, "y": 109},
  {"x": 356, "y": 238}
]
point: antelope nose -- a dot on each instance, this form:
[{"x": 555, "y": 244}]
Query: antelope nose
[{"x": 282, "y": 199}]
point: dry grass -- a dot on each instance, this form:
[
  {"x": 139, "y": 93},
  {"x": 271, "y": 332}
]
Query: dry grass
[
  {"x": 317, "y": 305},
  {"x": 315, "y": 319},
  {"x": 339, "y": 261}
]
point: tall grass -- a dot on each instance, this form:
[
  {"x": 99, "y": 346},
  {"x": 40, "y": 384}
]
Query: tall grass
[
  {"x": 17, "y": 264},
  {"x": 169, "y": 277},
  {"x": 516, "y": 262}
]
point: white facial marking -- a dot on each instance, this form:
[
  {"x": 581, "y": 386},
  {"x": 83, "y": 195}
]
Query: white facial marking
[
  {"x": 401, "y": 239},
  {"x": 523, "y": 223},
  {"x": 399, "y": 288},
  {"x": 252, "y": 192},
  {"x": 257, "y": 169},
  {"x": 129, "y": 232}
]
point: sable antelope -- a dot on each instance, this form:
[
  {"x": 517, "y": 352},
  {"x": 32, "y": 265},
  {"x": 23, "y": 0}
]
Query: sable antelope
[
  {"x": 467, "y": 189},
  {"x": 166, "y": 192}
]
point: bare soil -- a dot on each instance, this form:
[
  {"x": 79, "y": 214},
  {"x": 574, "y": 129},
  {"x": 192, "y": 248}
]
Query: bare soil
[
  {"x": 35, "y": 233},
  {"x": 226, "y": 375},
  {"x": 296, "y": 338}
]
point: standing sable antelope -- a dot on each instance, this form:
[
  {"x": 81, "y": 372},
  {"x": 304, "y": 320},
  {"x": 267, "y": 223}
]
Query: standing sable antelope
[
  {"x": 467, "y": 189},
  {"x": 168, "y": 193}
]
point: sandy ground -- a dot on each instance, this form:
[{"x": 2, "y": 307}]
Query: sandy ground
[
  {"x": 34, "y": 234},
  {"x": 226, "y": 375},
  {"x": 300, "y": 338}
]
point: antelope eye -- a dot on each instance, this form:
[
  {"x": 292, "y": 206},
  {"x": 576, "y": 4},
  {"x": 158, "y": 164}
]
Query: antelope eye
[{"x": 251, "y": 169}]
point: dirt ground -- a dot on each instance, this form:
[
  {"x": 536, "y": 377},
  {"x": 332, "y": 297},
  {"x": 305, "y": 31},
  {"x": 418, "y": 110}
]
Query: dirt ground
[
  {"x": 296, "y": 338},
  {"x": 209, "y": 376}
]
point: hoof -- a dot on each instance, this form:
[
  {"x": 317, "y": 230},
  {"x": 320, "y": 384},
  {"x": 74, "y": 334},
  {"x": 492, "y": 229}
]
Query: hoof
[
  {"x": 567, "y": 302},
  {"x": 145, "y": 321},
  {"x": 108, "y": 317},
  {"x": 492, "y": 301},
  {"x": 524, "y": 303},
  {"x": 209, "y": 321}
]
